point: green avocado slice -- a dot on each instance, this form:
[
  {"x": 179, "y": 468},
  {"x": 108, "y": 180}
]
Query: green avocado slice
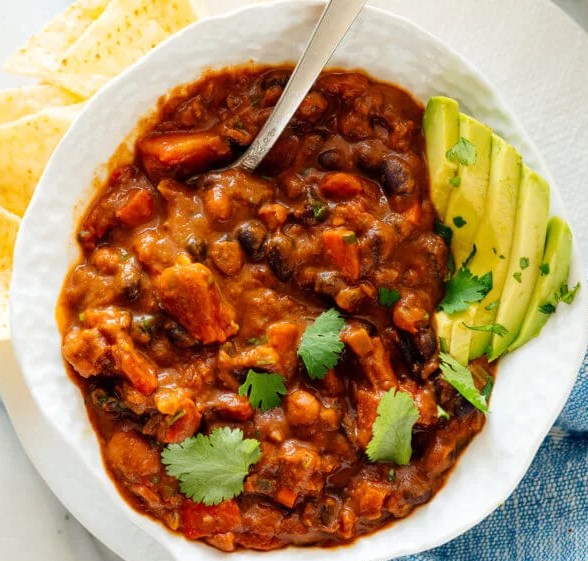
[
  {"x": 554, "y": 273},
  {"x": 441, "y": 128},
  {"x": 523, "y": 268},
  {"x": 466, "y": 204},
  {"x": 495, "y": 236}
]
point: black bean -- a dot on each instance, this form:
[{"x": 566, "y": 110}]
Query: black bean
[
  {"x": 329, "y": 283},
  {"x": 128, "y": 279},
  {"x": 278, "y": 251},
  {"x": 276, "y": 78},
  {"x": 425, "y": 343},
  {"x": 178, "y": 335},
  {"x": 331, "y": 160},
  {"x": 251, "y": 236},
  {"x": 196, "y": 247},
  {"x": 397, "y": 178}
]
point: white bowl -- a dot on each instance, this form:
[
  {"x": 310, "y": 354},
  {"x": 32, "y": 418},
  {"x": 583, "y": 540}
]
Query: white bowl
[{"x": 532, "y": 384}]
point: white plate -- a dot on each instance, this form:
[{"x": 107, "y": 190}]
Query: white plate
[{"x": 532, "y": 385}]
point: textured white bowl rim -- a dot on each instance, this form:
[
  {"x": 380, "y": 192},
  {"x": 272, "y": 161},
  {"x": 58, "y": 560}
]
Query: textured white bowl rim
[{"x": 86, "y": 482}]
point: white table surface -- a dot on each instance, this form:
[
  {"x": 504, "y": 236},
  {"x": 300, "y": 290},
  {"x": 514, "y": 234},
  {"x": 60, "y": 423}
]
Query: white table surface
[{"x": 33, "y": 524}]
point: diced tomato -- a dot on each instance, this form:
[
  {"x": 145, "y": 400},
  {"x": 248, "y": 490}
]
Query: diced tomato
[
  {"x": 342, "y": 247},
  {"x": 199, "y": 520},
  {"x": 137, "y": 210}
]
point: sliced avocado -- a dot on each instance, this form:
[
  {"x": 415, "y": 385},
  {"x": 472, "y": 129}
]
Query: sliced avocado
[
  {"x": 525, "y": 259},
  {"x": 443, "y": 325},
  {"x": 461, "y": 336},
  {"x": 466, "y": 204},
  {"x": 554, "y": 270},
  {"x": 441, "y": 127},
  {"x": 495, "y": 235}
]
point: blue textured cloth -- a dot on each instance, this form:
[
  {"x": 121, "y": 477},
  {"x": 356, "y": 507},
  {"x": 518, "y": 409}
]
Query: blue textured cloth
[{"x": 546, "y": 518}]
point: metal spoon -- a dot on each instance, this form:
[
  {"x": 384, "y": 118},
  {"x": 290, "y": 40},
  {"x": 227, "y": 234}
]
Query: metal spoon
[{"x": 332, "y": 26}]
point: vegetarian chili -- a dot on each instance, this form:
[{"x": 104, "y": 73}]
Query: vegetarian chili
[{"x": 258, "y": 320}]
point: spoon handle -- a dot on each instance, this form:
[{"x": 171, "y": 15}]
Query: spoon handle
[{"x": 335, "y": 20}]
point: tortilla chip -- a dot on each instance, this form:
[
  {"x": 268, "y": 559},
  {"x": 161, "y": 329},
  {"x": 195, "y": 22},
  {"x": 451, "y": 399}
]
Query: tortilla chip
[
  {"x": 20, "y": 102},
  {"x": 43, "y": 52},
  {"x": 123, "y": 33},
  {"x": 27, "y": 144},
  {"x": 9, "y": 224}
]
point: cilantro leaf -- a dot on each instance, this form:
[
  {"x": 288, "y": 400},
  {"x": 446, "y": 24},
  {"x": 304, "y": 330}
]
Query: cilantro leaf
[
  {"x": 387, "y": 297},
  {"x": 547, "y": 309},
  {"x": 392, "y": 430},
  {"x": 517, "y": 276},
  {"x": 566, "y": 295},
  {"x": 264, "y": 390},
  {"x": 454, "y": 181},
  {"x": 459, "y": 221},
  {"x": 496, "y": 328},
  {"x": 461, "y": 379},
  {"x": 544, "y": 269},
  {"x": 211, "y": 469},
  {"x": 321, "y": 344},
  {"x": 463, "y": 151},
  {"x": 463, "y": 289}
]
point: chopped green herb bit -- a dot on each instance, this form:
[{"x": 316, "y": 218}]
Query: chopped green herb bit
[
  {"x": 124, "y": 255},
  {"x": 444, "y": 231},
  {"x": 567, "y": 296},
  {"x": 544, "y": 269},
  {"x": 517, "y": 276},
  {"x": 321, "y": 344},
  {"x": 253, "y": 341},
  {"x": 492, "y": 306},
  {"x": 463, "y": 152},
  {"x": 82, "y": 316},
  {"x": 387, "y": 297},
  {"x": 461, "y": 379},
  {"x": 487, "y": 389},
  {"x": 455, "y": 181},
  {"x": 392, "y": 474},
  {"x": 441, "y": 413},
  {"x": 350, "y": 239},
  {"x": 239, "y": 125},
  {"x": 470, "y": 256},
  {"x": 463, "y": 289},
  {"x": 459, "y": 221},
  {"x": 496, "y": 328},
  {"x": 211, "y": 469},
  {"x": 524, "y": 263},
  {"x": 494, "y": 251},
  {"x": 265, "y": 391},
  {"x": 547, "y": 309},
  {"x": 181, "y": 413},
  {"x": 501, "y": 256},
  {"x": 392, "y": 429},
  {"x": 319, "y": 210}
]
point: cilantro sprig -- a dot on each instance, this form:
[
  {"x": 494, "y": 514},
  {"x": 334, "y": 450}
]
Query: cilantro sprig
[
  {"x": 321, "y": 346},
  {"x": 464, "y": 289},
  {"x": 211, "y": 469},
  {"x": 461, "y": 379},
  {"x": 392, "y": 429},
  {"x": 264, "y": 391}
]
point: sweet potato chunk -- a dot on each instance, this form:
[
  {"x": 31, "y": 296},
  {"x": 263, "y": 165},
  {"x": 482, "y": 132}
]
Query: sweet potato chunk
[
  {"x": 194, "y": 152},
  {"x": 137, "y": 210},
  {"x": 134, "y": 365},
  {"x": 132, "y": 456},
  {"x": 340, "y": 185},
  {"x": 190, "y": 294},
  {"x": 86, "y": 350},
  {"x": 342, "y": 248}
]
